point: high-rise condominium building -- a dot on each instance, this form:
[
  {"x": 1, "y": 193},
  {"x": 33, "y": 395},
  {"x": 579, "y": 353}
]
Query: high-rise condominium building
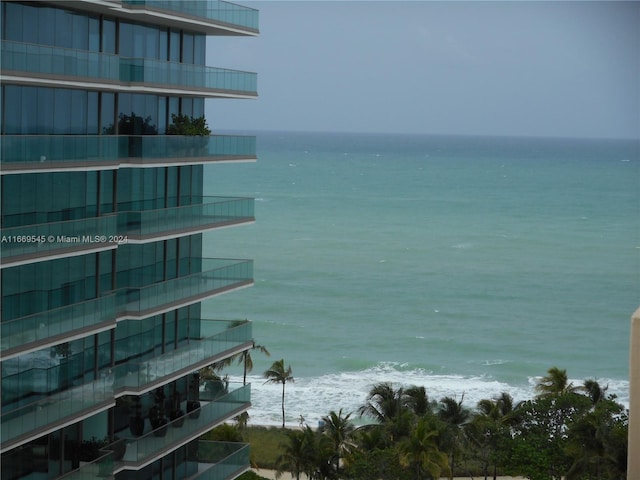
[{"x": 103, "y": 340}]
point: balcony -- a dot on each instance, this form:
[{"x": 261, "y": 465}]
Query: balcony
[
  {"x": 141, "y": 377},
  {"x": 214, "y": 212},
  {"x": 234, "y": 17},
  {"x": 52, "y": 412},
  {"x": 206, "y": 460},
  {"x": 49, "y": 328},
  {"x": 217, "y": 276},
  {"x": 31, "y": 243},
  {"x": 59, "y": 63},
  {"x": 199, "y": 79},
  {"x": 221, "y": 460},
  {"x": 43, "y": 65},
  {"x": 32, "y": 153},
  {"x": 155, "y": 444}
]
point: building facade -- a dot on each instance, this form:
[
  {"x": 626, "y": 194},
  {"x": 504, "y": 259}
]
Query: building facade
[{"x": 103, "y": 214}]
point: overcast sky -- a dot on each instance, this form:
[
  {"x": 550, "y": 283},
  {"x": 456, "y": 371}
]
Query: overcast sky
[{"x": 481, "y": 68}]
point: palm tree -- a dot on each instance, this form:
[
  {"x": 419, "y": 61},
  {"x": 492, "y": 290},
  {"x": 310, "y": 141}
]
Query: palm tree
[
  {"x": 245, "y": 358},
  {"x": 339, "y": 430},
  {"x": 455, "y": 416},
  {"x": 490, "y": 424},
  {"x": 594, "y": 390},
  {"x": 417, "y": 400},
  {"x": 555, "y": 383},
  {"x": 420, "y": 452},
  {"x": 294, "y": 457},
  {"x": 383, "y": 402},
  {"x": 278, "y": 374}
]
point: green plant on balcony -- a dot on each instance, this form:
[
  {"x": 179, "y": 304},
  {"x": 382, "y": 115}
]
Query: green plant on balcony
[
  {"x": 188, "y": 126},
  {"x": 157, "y": 417},
  {"x": 176, "y": 415},
  {"x": 193, "y": 396},
  {"x": 214, "y": 385},
  {"x": 134, "y": 408},
  {"x": 88, "y": 450},
  {"x": 194, "y": 128}
]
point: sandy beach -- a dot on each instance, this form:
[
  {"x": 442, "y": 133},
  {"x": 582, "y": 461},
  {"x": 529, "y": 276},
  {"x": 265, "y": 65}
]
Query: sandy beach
[{"x": 271, "y": 474}]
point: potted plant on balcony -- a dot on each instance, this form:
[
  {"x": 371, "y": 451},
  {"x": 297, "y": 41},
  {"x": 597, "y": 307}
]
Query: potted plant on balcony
[
  {"x": 193, "y": 396},
  {"x": 89, "y": 450},
  {"x": 176, "y": 415},
  {"x": 157, "y": 417},
  {"x": 136, "y": 420},
  {"x": 190, "y": 127}
]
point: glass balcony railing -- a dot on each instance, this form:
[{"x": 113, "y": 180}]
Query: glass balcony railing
[
  {"x": 49, "y": 238},
  {"x": 181, "y": 430},
  {"x": 213, "y": 212},
  {"x": 56, "y": 409},
  {"x": 54, "y": 62},
  {"x": 135, "y": 377},
  {"x": 217, "y": 276},
  {"x": 46, "y": 60},
  {"x": 49, "y": 151},
  {"x": 164, "y": 147},
  {"x": 206, "y": 460},
  {"x": 219, "y": 460},
  {"x": 146, "y": 71},
  {"x": 46, "y": 328},
  {"x": 214, "y": 10}
]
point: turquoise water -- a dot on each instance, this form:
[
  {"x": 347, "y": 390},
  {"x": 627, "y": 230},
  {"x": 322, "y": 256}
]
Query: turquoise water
[{"x": 465, "y": 264}]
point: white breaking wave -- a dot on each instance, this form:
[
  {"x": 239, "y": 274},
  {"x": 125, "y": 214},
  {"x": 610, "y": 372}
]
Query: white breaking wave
[{"x": 315, "y": 397}]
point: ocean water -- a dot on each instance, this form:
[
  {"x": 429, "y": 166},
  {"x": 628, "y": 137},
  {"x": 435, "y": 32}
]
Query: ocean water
[{"x": 469, "y": 265}]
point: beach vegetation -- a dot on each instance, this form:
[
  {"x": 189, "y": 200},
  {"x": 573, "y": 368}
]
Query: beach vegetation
[{"x": 564, "y": 432}]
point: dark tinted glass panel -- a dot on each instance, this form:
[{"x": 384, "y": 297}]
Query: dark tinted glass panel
[
  {"x": 13, "y": 29},
  {"x": 107, "y": 113},
  {"x": 12, "y": 109},
  {"x": 64, "y": 29},
  {"x": 126, "y": 39},
  {"x": 199, "y": 48},
  {"x": 187, "y": 48},
  {"x": 164, "y": 45},
  {"x": 174, "y": 46},
  {"x": 92, "y": 113},
  {"x": 46, "y": 26},
  {"x": 28, "y": 33},
  {"x": 108, "y": 36},
  {"x": 94, "y": 34},
  {"x": 80, "y": 35}
]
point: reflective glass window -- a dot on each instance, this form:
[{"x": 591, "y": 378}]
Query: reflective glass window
[
  {"x": 13, "y": 29},
  {"x": 108, "y": 36},
  {"x": 187, "y": 48},
  {"x": 80, "y": 34},
  {"x": 63, "y": 112},
  {"x": 94, "y": 34},
  {"x": 199, "y": 49},
  {"x": 126, "y": 39},
  {"x": 46, "y": 114},
  {"x": 78, "y": 110},
  {"x": 64, "y": 29},
  {"x": 12, "y": 108},
  {"x": 46, "y": 26},
  {"x": 163, "y": 45},
  {"x": 106, "y": 191},
  {"x": 107, "y": 112},
  {"x": 174, "y": 46},
  {"x": 92, "y": 113}
]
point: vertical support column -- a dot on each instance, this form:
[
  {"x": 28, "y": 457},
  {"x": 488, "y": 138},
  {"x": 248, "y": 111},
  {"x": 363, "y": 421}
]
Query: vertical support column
[{"x": 633, "y": 460}]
